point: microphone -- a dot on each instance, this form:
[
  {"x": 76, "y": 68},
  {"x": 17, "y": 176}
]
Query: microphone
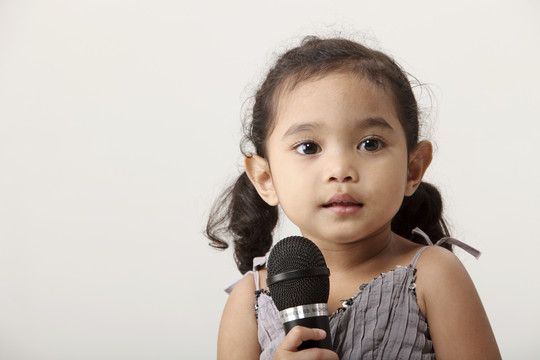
[{"x": 299, "y": 284}]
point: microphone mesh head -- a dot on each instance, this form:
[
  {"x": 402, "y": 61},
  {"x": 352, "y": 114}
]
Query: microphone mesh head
[{"x": 297, "y": 253}]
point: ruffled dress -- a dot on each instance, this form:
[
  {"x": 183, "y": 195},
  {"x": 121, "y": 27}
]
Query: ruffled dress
[{"x": 382, "y": 321}]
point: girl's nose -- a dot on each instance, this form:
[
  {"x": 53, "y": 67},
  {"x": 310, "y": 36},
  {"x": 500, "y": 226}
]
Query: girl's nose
[
  {"x": 341, "y": 179},
  {"x": 341, "y": 169}
]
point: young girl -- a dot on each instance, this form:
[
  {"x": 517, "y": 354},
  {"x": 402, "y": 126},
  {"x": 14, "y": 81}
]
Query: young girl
[{"x": 335, "y": 132}]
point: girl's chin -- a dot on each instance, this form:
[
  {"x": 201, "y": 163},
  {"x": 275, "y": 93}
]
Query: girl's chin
[{"x": 340, "y": 234}]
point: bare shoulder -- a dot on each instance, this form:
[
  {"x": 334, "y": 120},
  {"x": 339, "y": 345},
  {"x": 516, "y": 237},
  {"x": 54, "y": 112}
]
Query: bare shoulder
[
  {"x": 458, "y": 323},
  {"x": 438, "y": 270},
  {"x": 237, "y": 337},
  {"x": 438, "y": 261}
]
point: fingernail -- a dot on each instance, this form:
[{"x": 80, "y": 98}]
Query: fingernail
[{"x": 322, "y": 333}]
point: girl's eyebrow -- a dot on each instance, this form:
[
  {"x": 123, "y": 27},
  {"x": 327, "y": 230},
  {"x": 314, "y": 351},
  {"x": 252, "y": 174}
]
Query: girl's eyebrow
[
  {"x": 367, "y": 123},
  {"x": 375, "y": 122},
  {"x": 298, "y": 128}
]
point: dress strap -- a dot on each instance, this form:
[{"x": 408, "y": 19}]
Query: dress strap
[
  {"x": 417, "y": 255},
  {"x": 257, "y": 262},
  {"x": 417, "y": 231},
  {"x": 474, "y": 252}
]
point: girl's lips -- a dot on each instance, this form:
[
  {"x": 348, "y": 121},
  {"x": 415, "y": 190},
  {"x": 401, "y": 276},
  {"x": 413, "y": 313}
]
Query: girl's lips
[
  {"x": 342, "y": 200},
  {"x": 343, "y": 204}
]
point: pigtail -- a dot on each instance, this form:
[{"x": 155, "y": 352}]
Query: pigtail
[
  {"x": 241, "y": 214},
  {"x": 424, "y": 209}
]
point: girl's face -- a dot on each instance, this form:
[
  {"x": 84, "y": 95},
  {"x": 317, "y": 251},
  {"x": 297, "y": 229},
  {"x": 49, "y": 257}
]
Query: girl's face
[{"x": 337, "y": 159}]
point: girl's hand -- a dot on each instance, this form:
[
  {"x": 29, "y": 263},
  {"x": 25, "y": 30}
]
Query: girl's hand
[{"x": 288, "y": 350}]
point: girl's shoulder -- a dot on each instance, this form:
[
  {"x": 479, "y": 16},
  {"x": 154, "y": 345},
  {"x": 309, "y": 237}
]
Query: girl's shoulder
[
  {"x": 438, "y": 269},
  {"x": 237, "y": 338},
  {"x": 448, "y": 299},
  {"x": 437, "y": 259}
]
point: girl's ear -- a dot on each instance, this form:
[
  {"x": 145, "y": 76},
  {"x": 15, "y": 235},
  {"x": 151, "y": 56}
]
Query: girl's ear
[
  {"x": 419, "y": 160},
  {"x": 258, "y": 171}
]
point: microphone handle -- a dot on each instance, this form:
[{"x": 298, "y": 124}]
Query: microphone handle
[{"x": 315, "y": 322}]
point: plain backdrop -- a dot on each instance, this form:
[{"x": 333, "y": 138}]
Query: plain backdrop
[{"x": 120, "y": 124}]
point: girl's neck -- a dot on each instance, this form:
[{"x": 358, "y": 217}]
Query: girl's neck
[{"x": 359, "y": 255}]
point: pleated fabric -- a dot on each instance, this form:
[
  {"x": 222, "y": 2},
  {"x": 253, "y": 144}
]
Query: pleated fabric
[{"x": 383, "y": 321}]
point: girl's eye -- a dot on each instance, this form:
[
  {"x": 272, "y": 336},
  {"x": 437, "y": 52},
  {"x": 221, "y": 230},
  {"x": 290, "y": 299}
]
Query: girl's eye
[
  {"x": 370, "y": 145},
  {"x": 307, "y": 148}
]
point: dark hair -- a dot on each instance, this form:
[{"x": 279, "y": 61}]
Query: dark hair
[{"x": 241, "y": 213}]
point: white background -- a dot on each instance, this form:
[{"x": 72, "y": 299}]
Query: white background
[{"x": 120, "y": 123}]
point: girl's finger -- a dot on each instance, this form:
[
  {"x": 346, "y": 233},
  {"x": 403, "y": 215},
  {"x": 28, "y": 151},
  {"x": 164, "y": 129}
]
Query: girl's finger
[
  {"x": 289, "y": 347},
  {"x": 298, "y": 335}
]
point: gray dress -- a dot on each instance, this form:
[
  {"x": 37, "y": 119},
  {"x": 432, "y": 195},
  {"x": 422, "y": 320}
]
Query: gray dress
[{"x": 382, "y": 321}]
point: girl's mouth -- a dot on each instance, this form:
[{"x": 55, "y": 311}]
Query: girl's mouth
[
  {"x": 343, "y": 204},
  {"x": 344, "y": 207}
]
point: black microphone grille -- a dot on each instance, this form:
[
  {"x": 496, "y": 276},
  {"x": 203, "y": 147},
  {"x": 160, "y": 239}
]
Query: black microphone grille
[{"x": 297, "y": 273}]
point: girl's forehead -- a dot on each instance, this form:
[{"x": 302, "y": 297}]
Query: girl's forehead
[{"x": 335, "y": 94}]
